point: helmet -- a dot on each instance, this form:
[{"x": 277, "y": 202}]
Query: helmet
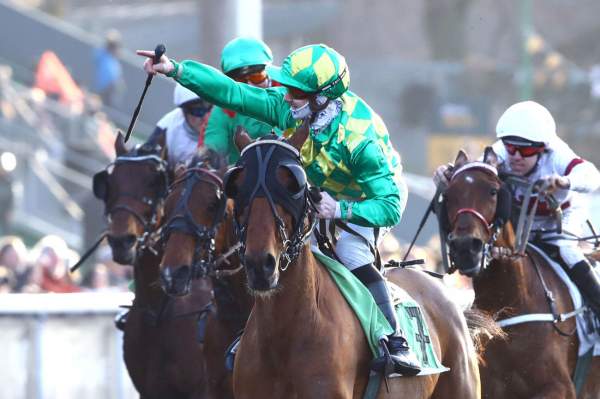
[
  {"x": 527, "y": 120},
  {"x": 182, "y": 96},
  {"x": 315, "y": 68},
  {"x": 242, "y": 52}
]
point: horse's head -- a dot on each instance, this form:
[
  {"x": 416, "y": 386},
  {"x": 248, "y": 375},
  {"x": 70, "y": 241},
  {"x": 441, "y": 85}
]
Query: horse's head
[
  {"x": 269, "y": 188},
  {"x": 132, "y": 188},
  {"x": 476, "y": 205},
  {"x": 194, "y": 210}
]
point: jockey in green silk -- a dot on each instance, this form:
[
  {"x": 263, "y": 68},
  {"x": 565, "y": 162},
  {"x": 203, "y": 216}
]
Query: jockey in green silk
[
  {"x": 244, "y": 60},
  {"x": 348, "y": 153}
]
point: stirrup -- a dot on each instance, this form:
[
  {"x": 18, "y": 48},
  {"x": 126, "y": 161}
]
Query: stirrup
[{"x": 405, "y": 363}]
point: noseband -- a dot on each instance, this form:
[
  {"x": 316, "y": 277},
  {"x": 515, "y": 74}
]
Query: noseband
[
  {"x": 149, "y": 224},
  {"x": 183, "y": 220}
]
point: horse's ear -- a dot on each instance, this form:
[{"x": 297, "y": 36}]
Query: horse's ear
[
  {"x": 180, "y": 169},
  {"x": 161, "y": 141},
  {"x": 461, "y": 158},
  {"x": 241, "y": 138},
  {"x": 120, "y": 147},
  {"x": 490, "y": 157},
  {"x": 300, "y": 135},
  {"x": 229, "y": 181}
]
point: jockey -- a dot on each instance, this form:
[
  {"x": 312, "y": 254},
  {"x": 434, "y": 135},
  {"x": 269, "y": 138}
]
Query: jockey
[
  {"x": 184, "y": 126},
  {"x": 529, "y": 147},
  {"x": 243, "y": 60},
  {"x": 348, "y": 153}
]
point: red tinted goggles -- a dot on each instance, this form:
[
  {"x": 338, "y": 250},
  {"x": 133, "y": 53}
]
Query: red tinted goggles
[
  {"x": 298, "y": 94},
  {"x": 525, "y": 151}
]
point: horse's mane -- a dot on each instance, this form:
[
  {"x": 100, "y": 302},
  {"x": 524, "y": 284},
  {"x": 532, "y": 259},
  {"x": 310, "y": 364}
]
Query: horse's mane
[{"x": 209, "y": 158}]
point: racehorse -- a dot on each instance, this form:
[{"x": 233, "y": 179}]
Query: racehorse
[
  {"x": 133, "y": 189},
  {"x": 537, "y": 360},
  {"x": 302, "y": 339},
  {"x": 198, "y": 240},
  {"x": 160, "y": 349}
]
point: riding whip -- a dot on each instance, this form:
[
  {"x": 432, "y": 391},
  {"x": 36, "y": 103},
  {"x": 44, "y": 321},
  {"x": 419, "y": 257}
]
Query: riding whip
[{"x": 158, "y": 52}]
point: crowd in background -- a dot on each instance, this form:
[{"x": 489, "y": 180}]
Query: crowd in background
[{"x": 45, "y": 268}]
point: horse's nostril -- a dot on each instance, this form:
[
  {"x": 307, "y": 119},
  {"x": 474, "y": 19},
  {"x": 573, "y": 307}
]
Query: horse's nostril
[
  {"x": 476, "y": 245},
  {"x": 124, "y": 241},
  {"x": 270, "y": 264}
]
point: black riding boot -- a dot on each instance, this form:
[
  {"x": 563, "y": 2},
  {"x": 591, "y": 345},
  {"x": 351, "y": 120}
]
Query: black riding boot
[
  {"x": 588, "y": 282},
  {"x": 405, "y": 361},
  {"x": 121, "y": 319}
]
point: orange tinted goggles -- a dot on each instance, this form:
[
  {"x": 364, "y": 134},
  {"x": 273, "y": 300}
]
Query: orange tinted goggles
[
  {"x": 255, "y": 78},
  {"x": 525, "y": 152}
]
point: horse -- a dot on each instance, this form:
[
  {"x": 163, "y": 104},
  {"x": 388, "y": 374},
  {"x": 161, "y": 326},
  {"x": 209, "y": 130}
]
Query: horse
[
  {"x": 197, "y": 239},
  {"x": 536, "y": 360},
  {"x": 159, "y": 345},
  {"x": 302, "y": 339},
  {"x": 133, "y": 206}
]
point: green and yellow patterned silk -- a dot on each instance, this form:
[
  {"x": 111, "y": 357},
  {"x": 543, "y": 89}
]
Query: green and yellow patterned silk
[{"x": 352, "y": 158}]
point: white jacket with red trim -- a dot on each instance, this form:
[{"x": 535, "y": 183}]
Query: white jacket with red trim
[{"x": 559, "y": 159}]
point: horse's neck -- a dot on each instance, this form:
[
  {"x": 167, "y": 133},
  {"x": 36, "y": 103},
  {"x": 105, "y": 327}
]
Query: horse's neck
[
  {"x": 295, "y": 304},
  {"x": 506, "y": 283},
  {"x": 148, "y": 291}
]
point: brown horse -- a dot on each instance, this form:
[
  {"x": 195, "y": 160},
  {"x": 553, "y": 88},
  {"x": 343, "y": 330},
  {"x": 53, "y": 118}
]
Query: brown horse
[
  {"x": 160, "y": 349},
  {"x": 537, "y": 359},
  {"x": 199, "y": 241},
  {"x": 302, "y": 339},
  {"x": 133, "y": 189}
]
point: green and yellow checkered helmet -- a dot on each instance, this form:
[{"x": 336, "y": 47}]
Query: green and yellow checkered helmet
[
  {"x": 315, "y": 68},
  {"x": 243, "y": 52}
]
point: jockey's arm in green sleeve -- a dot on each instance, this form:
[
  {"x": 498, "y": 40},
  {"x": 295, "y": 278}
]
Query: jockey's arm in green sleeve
[
  {"x": 217, "y": 133},
  {"x": 265, "y": 105},
  {"x": 383, "y": 205}
]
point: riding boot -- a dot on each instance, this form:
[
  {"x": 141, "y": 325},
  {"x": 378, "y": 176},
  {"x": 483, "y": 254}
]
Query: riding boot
[
  {"x": 404, "y": 359},
  {"x": 121, "y": 319},
  {"x": 588, "y": 282}
]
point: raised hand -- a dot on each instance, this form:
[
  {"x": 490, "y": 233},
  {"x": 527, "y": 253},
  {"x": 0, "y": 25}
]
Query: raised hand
[{"x": 164, "y": 65}]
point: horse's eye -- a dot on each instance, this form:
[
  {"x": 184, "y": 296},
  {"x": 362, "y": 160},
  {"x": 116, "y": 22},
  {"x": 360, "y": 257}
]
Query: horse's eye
[{"x": 493, "y": 191}]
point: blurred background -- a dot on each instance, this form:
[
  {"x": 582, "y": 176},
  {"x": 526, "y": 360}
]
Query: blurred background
[{"x": 440, "y": 73}]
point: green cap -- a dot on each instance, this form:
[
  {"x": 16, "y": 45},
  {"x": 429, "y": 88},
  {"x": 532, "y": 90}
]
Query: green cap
[
  {"x": 315, "y": 68},
  {"x": 242, "y": 52}
]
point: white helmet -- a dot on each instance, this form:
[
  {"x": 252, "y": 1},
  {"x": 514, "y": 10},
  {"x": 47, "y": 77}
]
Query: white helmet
[
  {"x": 528, "y": 120},
  {"x": 181, "y": 95}
]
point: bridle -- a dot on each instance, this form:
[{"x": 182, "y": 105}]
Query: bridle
[
  {"x": 155, "y": 204},
  {"x": 204, "y": 259},
  {"x": 492, "y": 227},
  {"x": 268, "y": 154}
]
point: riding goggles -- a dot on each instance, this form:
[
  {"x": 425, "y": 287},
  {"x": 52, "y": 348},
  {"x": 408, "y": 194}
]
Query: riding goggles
[
  {"x": 525, "y": 151},
  {"x": 255, "y": 77},
  {"x": 298, "y": 94},
  {"x": 197, "y": 111}
]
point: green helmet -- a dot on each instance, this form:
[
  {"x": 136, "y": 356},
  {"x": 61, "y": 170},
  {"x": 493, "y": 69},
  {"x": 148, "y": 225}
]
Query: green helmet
[
  {"x": 242, "y": 52},
  {"x": 315, "y": 68}
]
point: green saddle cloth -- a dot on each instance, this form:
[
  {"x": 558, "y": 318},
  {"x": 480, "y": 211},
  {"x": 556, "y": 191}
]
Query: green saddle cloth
[{"x": 374, "y": 323}]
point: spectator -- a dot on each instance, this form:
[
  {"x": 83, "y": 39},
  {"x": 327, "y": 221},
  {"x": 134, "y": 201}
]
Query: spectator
[
  {"x": 7, "y": 280},
  {"x": 109, "y": 80},
  {"x": 13, "y": 256},
  {"x": 52, "y": 260},
  {"x": 6, "y": 199}
]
